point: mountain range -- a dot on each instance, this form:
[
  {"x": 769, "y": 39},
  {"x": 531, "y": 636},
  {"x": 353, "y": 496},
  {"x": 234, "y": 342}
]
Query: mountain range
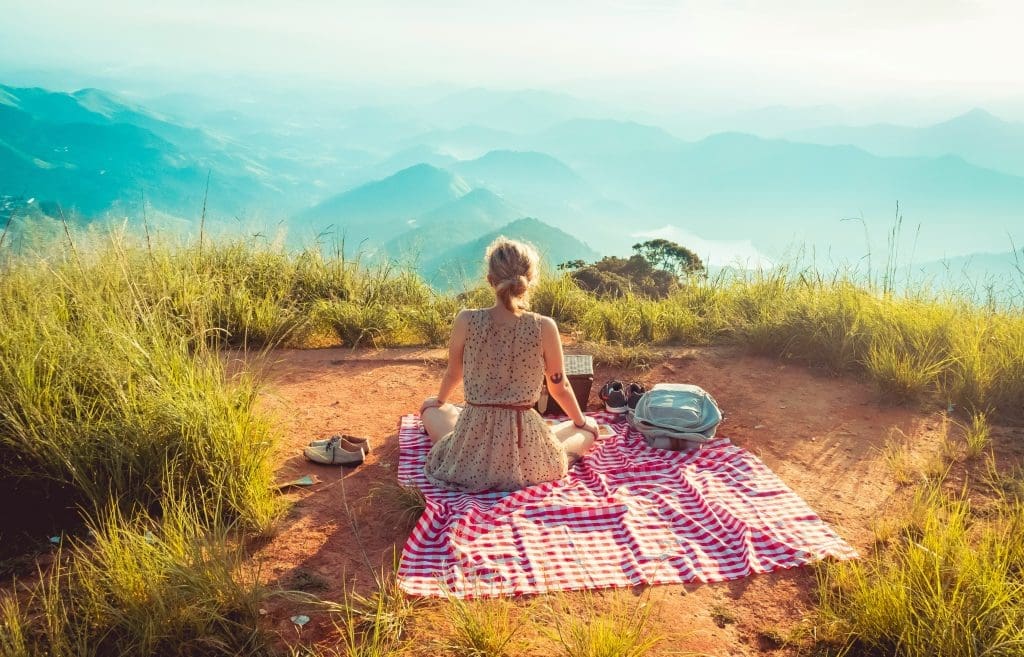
[
  {"x": 391, "y": 179},
  {"x": 478, "y": 210},
  {"x": 88, "y": 152},
  {"x": 377, "y": 211},
  {"x": 433, "y": 218},
  {"x": 462, "y": 265},
  {"x": 977, "y": 136}
]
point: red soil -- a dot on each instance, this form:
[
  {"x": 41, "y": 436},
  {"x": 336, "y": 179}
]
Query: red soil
[{"x": 821, "y": 434}]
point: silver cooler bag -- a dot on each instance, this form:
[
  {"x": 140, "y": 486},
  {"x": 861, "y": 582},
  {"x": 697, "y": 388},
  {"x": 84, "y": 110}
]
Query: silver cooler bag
[{"x": 676, "y": 416}]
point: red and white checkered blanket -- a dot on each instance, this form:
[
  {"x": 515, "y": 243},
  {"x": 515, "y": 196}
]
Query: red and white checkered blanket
[{"x": 626, "y": 514}]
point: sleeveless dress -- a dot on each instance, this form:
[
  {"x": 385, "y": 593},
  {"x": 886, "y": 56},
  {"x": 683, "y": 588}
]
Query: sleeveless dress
[{"x": 494, "y": 448}]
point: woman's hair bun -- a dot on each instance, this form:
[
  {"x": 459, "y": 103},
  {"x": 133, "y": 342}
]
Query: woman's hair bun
[
  {"x": 519, "y": 285},
  {"x": 512, "y": 270}
]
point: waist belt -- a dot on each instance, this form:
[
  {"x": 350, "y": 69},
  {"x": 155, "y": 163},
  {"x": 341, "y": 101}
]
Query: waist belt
[{"x": 519, "y": 408}]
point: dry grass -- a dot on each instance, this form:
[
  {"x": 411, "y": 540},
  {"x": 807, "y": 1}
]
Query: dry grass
[
  {"x": 482, "y": 628},
  {"x": 624, "y": 629},
  {"x": 948, "y": 582},
  {"x": 977, "y": 435},
  {"x": 113, "y": 397},
  {"x": 401, "y": 503}
]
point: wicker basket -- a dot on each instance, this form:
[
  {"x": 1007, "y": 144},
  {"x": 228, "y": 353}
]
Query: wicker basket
[{"x": 579, "y": 369}]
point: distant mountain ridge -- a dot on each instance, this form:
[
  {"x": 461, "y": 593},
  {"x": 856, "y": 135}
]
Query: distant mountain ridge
[
  {"x": 478, "y": 211},
  {"x": 530, "y": 178},
  {"x": 588, "y": 175},
  {"x": 462, "y": 265},
  {"x": 432, "y": 216},
  {"x": 378, "y": 174},
  {"x": 978, "y": 136},
  {"x": 90, "y": 152},
  {"x": 377, "y": 211}
]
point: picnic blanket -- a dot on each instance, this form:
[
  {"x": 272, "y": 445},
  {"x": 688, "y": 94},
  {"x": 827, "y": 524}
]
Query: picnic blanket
[{"x": 626, "y": 514}]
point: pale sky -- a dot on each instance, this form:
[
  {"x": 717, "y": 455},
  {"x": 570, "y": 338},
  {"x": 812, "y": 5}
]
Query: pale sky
[{"x": 777, "y": 51}]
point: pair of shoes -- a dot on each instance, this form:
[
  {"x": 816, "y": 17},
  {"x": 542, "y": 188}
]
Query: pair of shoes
[
  {"x": 619, "y": 399},
  {"x": 348, "y": 442},
  {"x": 336, "y": 450}
]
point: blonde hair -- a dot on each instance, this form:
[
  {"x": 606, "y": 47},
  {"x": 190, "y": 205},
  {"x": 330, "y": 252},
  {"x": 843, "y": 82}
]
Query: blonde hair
[{"x": 512, "y": 270}]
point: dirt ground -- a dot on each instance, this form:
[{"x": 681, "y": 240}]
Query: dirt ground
[{"x": 823, "y": 435}]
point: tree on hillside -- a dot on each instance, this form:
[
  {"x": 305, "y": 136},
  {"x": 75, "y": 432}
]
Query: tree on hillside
[
  {"x": 612, "y": 276},
  {"x": 652, "y": 271},
  {"x": 572, "y": 265},
  {"x": 671, "y": 257}
]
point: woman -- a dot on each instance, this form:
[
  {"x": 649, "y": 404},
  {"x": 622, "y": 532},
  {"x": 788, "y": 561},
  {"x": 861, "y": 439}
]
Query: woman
[{"x": 497, "y": 441}]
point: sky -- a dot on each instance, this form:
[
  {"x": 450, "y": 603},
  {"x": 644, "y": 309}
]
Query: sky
[{"x": 795, "y": 52}]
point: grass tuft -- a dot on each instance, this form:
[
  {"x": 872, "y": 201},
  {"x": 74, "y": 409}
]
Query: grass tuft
[
  {"x": 141, "y": 586},
  {"x": 977, "y": 435},
  {"x": 722, "y": 616},
  {"x": 621, "y": 631},
  {"x": 896, "y": 455},
  {"x": 638, "y": 357},
  {"x": 375, "y": 625},
  {"x": 482, "y": 628},
  {"x": 401, "y": 502}
]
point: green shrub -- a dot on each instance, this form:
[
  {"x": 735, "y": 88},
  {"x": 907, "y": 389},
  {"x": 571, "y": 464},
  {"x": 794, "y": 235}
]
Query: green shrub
[
  {"x": 431, "y": 323},
  {"x": 559, "y": 298}
]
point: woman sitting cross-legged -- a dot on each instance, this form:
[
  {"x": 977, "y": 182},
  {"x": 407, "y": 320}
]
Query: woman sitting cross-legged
[{"x": 497, "y": 441}]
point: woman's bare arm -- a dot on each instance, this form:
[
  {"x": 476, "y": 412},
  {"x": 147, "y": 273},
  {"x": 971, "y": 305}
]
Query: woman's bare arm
[
  {"x": 456, "y": 347},
  {"x": 554, "y": 368}
]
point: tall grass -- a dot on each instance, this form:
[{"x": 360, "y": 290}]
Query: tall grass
[
  {"x": 948, "y": 583},
  {"x": 250, "y": 293},
  {"x": 911, "y": 345},
  {"x": 105, "y": 393},
  {"x": 140, "y": 586},
  {"x": 115, "y": 399}
]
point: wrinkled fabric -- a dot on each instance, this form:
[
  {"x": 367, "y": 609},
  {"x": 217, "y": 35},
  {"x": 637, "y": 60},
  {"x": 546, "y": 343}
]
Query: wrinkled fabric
[{"x": 625, "y": 515}]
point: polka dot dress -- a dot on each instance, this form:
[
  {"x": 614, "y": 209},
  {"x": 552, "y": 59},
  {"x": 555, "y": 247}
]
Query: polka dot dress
[{"x": 503, "y": 363}]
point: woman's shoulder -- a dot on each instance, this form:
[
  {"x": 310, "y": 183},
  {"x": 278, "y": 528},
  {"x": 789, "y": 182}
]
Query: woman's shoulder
[
  {"x": 542, "y": 320},
  {"x": 465, "y": 316}
]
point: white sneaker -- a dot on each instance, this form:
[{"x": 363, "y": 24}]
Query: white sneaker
[
  {"x": 333, "y": 452},
  {"x": 352, "y": 443}
]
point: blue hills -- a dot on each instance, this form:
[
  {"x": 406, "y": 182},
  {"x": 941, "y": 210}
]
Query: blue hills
[
  {"x": 91, "y": 153},
  {"x": 381, "y": 176},
  {"x": 430, "y": 214},
  {"x": 461, "y": 265},
  {"x": 478, "y": 210},
  {"x": 977, "y": 136},
  {"x": 379, "y": 210}
]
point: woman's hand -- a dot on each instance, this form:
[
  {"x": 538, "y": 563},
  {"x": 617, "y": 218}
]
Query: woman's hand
[
  {"x": 430, "y": 402},
  {"x": 589, "y": 424}
]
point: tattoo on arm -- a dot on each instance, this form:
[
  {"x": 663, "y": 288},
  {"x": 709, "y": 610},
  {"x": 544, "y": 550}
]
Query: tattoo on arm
[{"x": 556, "y": 377}]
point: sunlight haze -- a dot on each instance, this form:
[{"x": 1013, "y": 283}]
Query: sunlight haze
[
  {"x": 750, "y": 131},
  {"x": 644, "y": 53}
]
